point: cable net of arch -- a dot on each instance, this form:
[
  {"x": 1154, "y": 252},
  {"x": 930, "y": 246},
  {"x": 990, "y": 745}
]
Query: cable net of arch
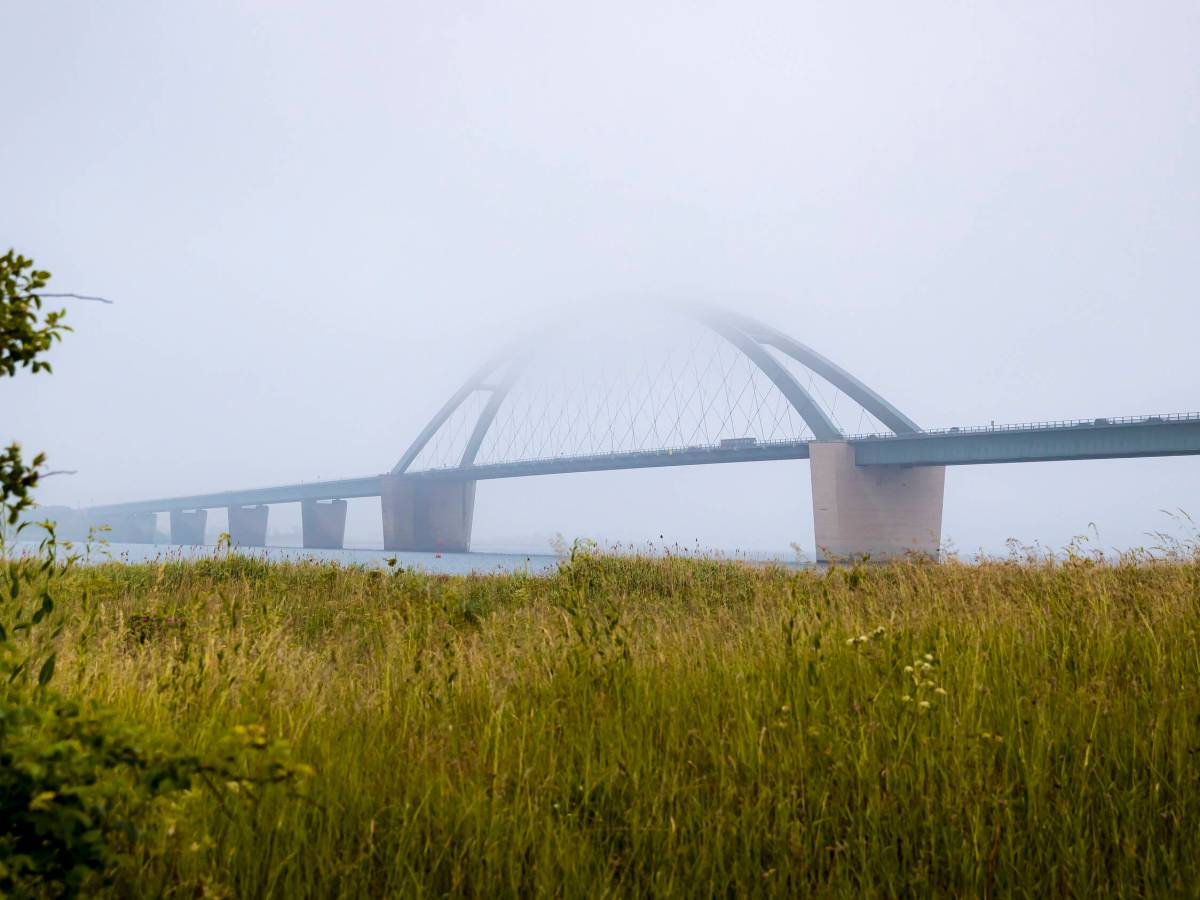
[{"x": 593, "y": 391}]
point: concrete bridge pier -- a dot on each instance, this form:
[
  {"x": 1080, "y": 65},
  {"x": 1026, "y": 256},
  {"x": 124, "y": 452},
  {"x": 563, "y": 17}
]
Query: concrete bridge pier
[
  {"x": 248, "y": 525},
  {"x": 130, "y": 528},
  {"x": 323, "y": 523},
  {"x": 427, "y": 515},
  {"x": 886, "y": 512},
  {"x": 187, "y": 527}
]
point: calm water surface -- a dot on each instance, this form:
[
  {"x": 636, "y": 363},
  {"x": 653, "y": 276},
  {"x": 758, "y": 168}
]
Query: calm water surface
[
  {"x": 444, "y": 563},
  {"x": 439, "y": 563}
]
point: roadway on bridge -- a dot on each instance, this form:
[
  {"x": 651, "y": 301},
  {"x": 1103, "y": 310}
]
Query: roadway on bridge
[{"x": 1128, "y": 437}]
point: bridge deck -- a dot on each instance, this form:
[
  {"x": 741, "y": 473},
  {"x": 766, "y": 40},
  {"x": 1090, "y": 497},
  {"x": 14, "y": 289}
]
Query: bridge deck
[
  {"x": 340, "y": 489},
  {"x": 1172, "y": 435}
]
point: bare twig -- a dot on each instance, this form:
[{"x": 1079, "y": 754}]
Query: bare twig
[{"x": 75, "y": 297}]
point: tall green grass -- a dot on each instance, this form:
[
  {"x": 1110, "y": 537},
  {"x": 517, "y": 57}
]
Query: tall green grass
[{"x": 666, "y": 726}]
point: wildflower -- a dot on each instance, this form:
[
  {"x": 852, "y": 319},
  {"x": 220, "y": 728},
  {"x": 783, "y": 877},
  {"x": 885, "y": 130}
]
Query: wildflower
[
  {"x": 941, "y": 691},
  {"x": 906, "y": 699},
  {"x": 924, "y": 705},
  {"x": 929, "y": 657},
  {"x": 878, "y": 632},
  {"x": 908, "y": 670}
]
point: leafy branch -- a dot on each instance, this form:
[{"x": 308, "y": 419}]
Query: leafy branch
[{"x": 26, "y": 332}]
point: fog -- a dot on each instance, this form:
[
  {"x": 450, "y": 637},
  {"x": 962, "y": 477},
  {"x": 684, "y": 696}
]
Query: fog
[{"x": 316, "y": 220}]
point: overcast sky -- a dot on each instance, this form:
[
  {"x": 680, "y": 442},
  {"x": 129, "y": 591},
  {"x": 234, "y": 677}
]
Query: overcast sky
[{"x": 317, "y": 218}]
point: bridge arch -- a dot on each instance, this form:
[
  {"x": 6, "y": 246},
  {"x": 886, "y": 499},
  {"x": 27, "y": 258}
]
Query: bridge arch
[{"x": 753, "y": 339}]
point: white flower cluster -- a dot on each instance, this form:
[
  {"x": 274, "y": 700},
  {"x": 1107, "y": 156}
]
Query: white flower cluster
[
  {"x": 863, "y": 638},
  {"x": 921, "y": 673}
]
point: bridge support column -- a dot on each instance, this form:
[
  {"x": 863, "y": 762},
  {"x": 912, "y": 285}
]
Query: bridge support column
[
  {"x": 188, "y": 527},
  {"x": 885, "y": 512},
  {"x": 427, "y": 515},
  {"x": 130, "y": 528},
  {"x": 323, "y": 523},
  {"x": 248, "y": 526}
]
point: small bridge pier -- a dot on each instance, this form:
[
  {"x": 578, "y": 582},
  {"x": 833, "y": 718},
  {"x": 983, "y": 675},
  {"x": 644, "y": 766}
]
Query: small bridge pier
[
  {"x": 323, "y": 524},
  {"x": 248, "y": 525},
  {"x": 427, "y": 515},
  {"x": 187, "y": 526}
]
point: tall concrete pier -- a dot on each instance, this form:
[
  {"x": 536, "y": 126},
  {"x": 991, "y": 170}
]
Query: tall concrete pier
[
  {"x": 187, "y": 527},
  {"x": 883, "y": 512},
  {"x": 248, "y": 525},
  {"x": 427, "y": 515},
  {"x": 324, "y": 524}
]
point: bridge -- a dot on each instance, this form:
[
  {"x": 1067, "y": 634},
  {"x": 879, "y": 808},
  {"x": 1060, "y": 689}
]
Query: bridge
[{"x": 742, "y": 392}]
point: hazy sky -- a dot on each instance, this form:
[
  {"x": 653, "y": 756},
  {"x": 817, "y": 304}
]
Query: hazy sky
[{"x": 317, "y": 218}]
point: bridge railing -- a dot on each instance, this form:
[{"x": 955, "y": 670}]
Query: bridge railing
[
  {"x": 767, "y": 445},
  {"x": 625, "y": 454},
  {"x": 1100, "y": 422}
]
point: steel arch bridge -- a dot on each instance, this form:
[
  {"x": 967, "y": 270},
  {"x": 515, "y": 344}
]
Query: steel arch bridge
[
  {"x": 754, "y": 341},
  {"x": 751, "y": 393}
]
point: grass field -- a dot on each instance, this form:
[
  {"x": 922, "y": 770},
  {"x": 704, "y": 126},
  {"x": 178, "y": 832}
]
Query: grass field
[{"x": 670, "y": 726}]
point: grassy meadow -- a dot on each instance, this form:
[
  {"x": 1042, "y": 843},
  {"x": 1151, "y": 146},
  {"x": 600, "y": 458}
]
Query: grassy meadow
[{"x": 663, "y": 726}]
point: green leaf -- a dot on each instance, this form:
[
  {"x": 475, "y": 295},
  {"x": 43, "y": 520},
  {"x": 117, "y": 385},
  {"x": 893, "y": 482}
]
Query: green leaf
[{"x": 47, "y": 671}]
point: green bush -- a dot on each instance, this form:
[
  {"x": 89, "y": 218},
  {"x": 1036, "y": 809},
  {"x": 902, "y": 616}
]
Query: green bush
[{"x": 76, "y": 781}]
